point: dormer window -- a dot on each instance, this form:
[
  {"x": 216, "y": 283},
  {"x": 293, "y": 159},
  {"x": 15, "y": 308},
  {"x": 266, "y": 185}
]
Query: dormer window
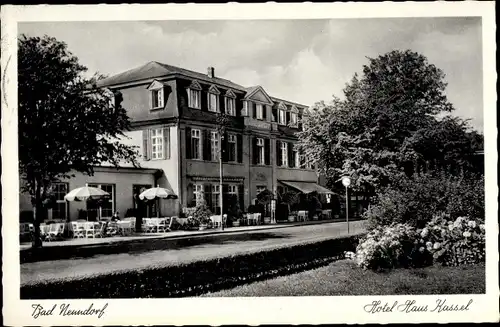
[
  {"x": 282, "y": 114},
  {"x": 156, "y": 95},
  {"x": 294, "y": 117},
  {"x": 213, "y": 99},
  {"x": 194, "y": 95},
  {"x": 259, "y": 111},
  {"x": 230, "y": 99}
]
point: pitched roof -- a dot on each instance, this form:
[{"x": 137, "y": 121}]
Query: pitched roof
[{"x": 155, "y": 69}]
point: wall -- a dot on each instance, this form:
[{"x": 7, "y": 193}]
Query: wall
[{"x": 136, "y": 101}]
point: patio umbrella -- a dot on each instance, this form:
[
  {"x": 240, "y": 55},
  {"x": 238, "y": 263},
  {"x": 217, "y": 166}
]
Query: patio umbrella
[
  {"x": 86, "y": 193},
  {"x": 157, "y": 193}
]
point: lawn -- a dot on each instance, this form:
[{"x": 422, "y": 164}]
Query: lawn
[{"x": 345, "y": 278}]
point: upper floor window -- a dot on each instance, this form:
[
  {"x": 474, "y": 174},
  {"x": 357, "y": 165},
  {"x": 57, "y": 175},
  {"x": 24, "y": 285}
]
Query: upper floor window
[
  {"x": 195, "y": 144},
  {"x": 284, "y": 154},
  {"x": 214, "y": 146},
  {"x": 296, "y": 158},
  {"x": 213, "y": 99},
  {"x": 157, "y": 98},
  {"x": 194, "y": 95},
  {"x": 260, "y": 151},
  {"x": 231, "y": 147},
  {"x": 231, "y": 106},
  {"x": 282, "y": 117},
  {"x": 259, "y": 111},
  {"x": 157, "y": 144}
]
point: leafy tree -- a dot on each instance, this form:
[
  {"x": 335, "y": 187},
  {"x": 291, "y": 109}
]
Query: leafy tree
[
  {"x": 385, "y": 123},
  {"x": 66, "y": 123}
]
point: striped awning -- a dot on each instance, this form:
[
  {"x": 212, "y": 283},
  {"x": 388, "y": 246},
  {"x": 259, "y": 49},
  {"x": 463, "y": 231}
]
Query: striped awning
[{"x": 307, "y": 187}]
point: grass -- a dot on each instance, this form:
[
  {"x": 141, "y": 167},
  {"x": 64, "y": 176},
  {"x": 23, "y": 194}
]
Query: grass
[{"x": 345, "y": 278}]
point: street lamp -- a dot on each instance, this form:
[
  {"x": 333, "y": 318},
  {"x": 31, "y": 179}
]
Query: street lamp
[
  {"x": 346, "y": 181},
  {"x": 220, "y": 176}
]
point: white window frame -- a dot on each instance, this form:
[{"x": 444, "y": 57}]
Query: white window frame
[
  {"x": 232, "y": 189},
  {"x": 194, "y": 97},
  {"x": 196, "y": 134},
  {"x": 111, "y": 199},
  {"x": 261, "y": 151},
  {"x": 157, "y": 97},
  {"x": 198, "y": 193},
  {"x": 297, "y": 158},
  {"x": 56, "y": 190},
  {"x": 230, "y": 106},
  {"x": 281, "y": 117},
  {"x": 259, "y": 108},
  {"x": 231, "y": 138},
  {"x": 294, "y": 119},
  {"x": 284, "y": 154},
  {"x": 214, "y": 146},
  {"x": 157, "y": 146},
  {"x": 215, "y": 196},
  {"x": 213, "y": 97}
]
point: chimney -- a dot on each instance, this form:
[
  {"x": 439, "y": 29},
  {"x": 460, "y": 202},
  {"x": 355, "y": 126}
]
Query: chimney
[{"x": 211, "y": 72}]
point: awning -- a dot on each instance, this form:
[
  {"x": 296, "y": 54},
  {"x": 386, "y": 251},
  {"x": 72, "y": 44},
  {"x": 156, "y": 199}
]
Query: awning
[{"x": 307, "y": 187}]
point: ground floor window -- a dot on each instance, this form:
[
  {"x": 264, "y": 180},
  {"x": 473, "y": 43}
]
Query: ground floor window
[
  {"x": 107, "y": 205},
  {"x": 60, "y": 208}
]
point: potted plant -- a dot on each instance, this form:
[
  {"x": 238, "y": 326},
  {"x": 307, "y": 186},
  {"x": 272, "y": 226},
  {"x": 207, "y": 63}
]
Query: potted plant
[{"x": 201, "y": 216}]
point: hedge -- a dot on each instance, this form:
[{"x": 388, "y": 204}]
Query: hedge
[{"x": 195, "y": 278}]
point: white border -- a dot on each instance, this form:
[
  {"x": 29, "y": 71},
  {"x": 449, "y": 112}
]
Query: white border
[{"x": 296, "y": 310}]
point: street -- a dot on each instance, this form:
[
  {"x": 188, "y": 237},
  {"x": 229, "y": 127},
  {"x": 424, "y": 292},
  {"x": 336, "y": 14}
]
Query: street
[{"x": 181, "y": 251}]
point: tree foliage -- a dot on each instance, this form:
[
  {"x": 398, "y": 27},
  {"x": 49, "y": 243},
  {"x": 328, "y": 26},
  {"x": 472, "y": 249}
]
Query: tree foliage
[
  {"x": 388, "y": 120},
  {"x": 66, "y": 122}
]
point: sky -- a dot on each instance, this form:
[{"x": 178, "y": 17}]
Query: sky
[{"x": 300, "y": 60}]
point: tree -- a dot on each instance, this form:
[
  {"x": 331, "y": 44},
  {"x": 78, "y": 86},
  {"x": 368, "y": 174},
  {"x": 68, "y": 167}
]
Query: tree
[
  {"x": 66, "y": 123},
  {"x": 383, "y": 122}
]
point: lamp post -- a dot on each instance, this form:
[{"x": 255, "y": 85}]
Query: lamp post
[
  {"x": 220, "y": 179},
  {"x": 346, "y": 181}
]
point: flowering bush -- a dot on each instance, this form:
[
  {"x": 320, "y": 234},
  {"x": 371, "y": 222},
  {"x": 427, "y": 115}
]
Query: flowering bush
[
  {"x": 453, "y": 242},
  {"x": 389, "y": 247}
]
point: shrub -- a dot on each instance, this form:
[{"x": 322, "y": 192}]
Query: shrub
[
  {"x": 453, "y": 242},
  {"x": 414, "y": 201},
  {"x": 201, "y": 215},
  {"x": 387, "y": 247}
]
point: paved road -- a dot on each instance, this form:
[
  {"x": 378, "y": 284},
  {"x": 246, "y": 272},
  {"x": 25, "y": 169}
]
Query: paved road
[{"x": 185, "y": 251}]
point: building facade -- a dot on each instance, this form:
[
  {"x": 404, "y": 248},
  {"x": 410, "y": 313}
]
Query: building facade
[{"x": 173, "y": 114}]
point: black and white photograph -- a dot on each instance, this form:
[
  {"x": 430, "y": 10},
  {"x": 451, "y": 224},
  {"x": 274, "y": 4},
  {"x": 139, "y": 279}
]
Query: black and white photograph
[{"x": 204, "y": 167}]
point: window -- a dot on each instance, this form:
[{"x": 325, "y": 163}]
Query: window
[
  {"x": 214, "y": 146},
  {"x": 231, "y": 106},
  {"x": 107, "y": 204},
  {"x": 232, "y": 189},
  {"x": 198, "y": 192},
  {"x": 231, "y": 144},
  {"x": 284, "y": 154},
  {"x": 215, "y": 198},
  {"x": 157, "y": 144},
  {"x": 260, "y": 151},
  {"x": 282, "y": 117},
  {"x": 194, "y": 96},
  {"x": 213, "y": 102},
  {"x": 296, "y": 158},
  {"x": 195, "y": 144},
  {"x": 60, "y": 209},
  {"x": 157, "y": 98},
  {"x": 259, "y": 111},
  {"x": 294, "y": 120}
]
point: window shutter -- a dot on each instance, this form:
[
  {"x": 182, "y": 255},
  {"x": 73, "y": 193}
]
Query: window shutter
[
  {"x": 207, "y": 190},
  {"x": 161, "y": 101},
  {"x": 253, "y": 109},
  {"x": 278, "y": 153},
  {"x": 291, "y": 162},
  {"x": 241, "y": 199},
  {"x": 255, "y": 154},
  {"x": 206, "y": 155},
  {"x": 166, "y": 143},
  {"x": 239, "y": 146},
  {"x": 267, "y": 151},
  {"x": 150, "y": 96},
  {"x": 274, "y": 117},
  {"x": 287, "y": 117},
  {"x": 188, "y": 143},
  {"x": 264, "y": 112},
  {"x": 145, "y": 144}
]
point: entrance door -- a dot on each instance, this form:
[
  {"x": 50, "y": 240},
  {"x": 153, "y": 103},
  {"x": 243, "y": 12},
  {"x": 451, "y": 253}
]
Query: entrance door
[{"x": 142, "y": 208}]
